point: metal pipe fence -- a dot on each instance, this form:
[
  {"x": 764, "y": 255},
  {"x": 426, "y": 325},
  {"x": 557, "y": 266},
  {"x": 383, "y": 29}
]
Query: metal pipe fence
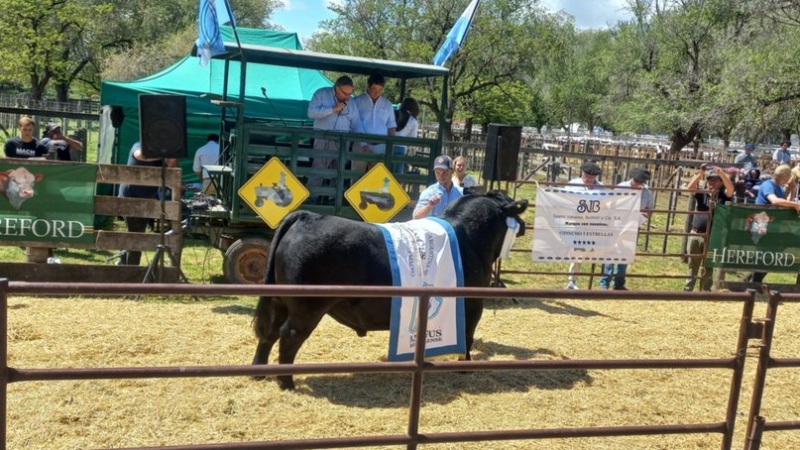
[{"x": 747, "y": 329}]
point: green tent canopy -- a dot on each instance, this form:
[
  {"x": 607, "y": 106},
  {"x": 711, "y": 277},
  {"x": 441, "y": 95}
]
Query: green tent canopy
[{"x": 288, "y": 89}]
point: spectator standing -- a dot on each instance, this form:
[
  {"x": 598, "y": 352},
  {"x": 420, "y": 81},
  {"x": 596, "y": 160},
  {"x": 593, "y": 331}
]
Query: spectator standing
[
  {"x": 590, "y": 170},
  {"x": 639, "y": 178},
  {"x": 407, "y": 126},
  {"x": 25, "y": 145},
  {"x": 207, "y": 155},
  {"x": 460, "y": 176},
  {"x": 437, "y": 196},
  {"x": 377, "y": 115},
  {"x": 720, "y": 189},
  {"x": 772, "y": 192},
  {"x": 139, "y": 224},
  {"x": 58, "y": 144},
  {"x": 783, "y": 155},
  {"x": 332, "y": 110},
  {"x": 746, "y": 158}
]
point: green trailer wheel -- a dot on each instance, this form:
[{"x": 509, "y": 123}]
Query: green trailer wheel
[{"x": 245, "y": 261}]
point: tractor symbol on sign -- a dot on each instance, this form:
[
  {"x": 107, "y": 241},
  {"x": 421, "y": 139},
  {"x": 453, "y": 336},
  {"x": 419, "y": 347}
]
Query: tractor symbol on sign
[{"x": 278, "y": 193}]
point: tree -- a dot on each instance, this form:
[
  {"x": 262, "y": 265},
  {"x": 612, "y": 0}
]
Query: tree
[
  {"x": 668, "y": 61},
  {"x": 576, "y": 81},
  {"x": 502, "y": 44},
  {"x": 63, "y": 41}
]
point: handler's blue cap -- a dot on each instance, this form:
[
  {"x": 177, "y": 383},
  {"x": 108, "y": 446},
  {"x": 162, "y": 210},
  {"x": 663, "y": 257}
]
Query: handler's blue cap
[
  {"x": 749, "y": 146},
  {"x": 443, "y": 162}
]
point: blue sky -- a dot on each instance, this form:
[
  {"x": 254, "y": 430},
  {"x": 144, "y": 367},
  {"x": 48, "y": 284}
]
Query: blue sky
[{"x": 303, "y": 16}]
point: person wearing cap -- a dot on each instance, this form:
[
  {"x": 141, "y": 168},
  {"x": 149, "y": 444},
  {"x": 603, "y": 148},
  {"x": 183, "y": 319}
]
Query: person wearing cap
[
  {"x": 783, "y": 155},
  {"x": 58, "y": 144},
  {"x": 25, "y": 145},
  {"x": 772, "y": 192},
  {"x": 590, "y": 170},
  {"x": 746, "y": 158},
  {"x": 720, "y": 189},
  {"x": 437, "y": 196},
  {"x": 639, "y": 178}
]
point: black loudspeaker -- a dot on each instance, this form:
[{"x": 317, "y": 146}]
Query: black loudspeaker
[
  {"x": 162, "y": 125},
  {"x": 502, "y": 152}
]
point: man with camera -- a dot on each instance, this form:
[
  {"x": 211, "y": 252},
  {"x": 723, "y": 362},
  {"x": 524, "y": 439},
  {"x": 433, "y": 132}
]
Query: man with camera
[{"x": 719, "y": 188}]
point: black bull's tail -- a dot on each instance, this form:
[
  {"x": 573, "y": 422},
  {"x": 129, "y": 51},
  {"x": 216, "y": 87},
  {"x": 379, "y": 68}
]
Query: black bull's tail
[{"x": 262, "y": 321}]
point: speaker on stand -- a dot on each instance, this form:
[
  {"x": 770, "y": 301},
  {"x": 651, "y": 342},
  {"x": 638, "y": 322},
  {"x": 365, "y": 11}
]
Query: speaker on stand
[
  {"x": 502, "y": 153},
  {"x": 162, "y": 126},
  {"x": 162, "y": 134}
]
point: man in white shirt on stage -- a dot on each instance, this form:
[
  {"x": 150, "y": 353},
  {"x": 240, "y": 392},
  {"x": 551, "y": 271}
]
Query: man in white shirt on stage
[
  {"x": 377, "y": 115},
  {"x": 207, "y": 155}
]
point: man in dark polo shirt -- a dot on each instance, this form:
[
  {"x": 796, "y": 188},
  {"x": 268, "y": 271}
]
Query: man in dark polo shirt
[{"x": 720, "y": 188}]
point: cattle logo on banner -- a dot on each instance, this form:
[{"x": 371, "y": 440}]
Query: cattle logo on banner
[
  {"x": 425, "y": 253},
  {"x": 47, "y": 202},
  {"x": 598, "y": 225},
  {"x": 754, "y": 238}
]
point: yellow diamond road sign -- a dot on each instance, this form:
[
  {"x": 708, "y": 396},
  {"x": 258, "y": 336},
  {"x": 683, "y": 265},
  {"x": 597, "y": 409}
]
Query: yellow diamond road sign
[
  {"x": 273, "y": 192},
  {"x": 377, "y": 196}
]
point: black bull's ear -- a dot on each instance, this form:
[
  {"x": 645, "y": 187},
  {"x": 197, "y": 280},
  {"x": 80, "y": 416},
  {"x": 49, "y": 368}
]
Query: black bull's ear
[{"x": 515, "y": 209}]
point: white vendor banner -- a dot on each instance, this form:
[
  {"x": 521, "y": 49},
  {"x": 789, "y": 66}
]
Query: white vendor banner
[{"x": 596, "y": 225}]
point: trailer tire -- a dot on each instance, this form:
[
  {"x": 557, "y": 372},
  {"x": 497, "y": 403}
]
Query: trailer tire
[{"x": 245, "y": 261}]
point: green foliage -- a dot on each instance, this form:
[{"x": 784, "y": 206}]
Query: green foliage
[{"x": 49, "y": 45}]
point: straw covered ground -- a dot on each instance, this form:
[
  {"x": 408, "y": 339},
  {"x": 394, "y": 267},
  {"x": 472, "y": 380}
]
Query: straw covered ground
[{"x": 132, "y": 413}]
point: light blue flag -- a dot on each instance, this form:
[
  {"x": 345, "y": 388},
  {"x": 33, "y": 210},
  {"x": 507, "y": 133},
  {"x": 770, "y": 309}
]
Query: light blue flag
[
  {"x": 210, "y": 16},
  {"x": 456, "y": 35}
]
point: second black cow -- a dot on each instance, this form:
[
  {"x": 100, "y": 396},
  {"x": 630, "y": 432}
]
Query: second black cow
[{"x": 313, "y": 249}]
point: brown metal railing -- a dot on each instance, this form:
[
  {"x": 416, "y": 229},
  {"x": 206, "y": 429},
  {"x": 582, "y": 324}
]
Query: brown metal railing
[
  {"x": 757, "y": 424},
  {"x": 418, "y": 367}
]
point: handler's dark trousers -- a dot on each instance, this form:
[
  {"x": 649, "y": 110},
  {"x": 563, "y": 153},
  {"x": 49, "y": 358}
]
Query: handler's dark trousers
[{"x": 135, "y": 225}]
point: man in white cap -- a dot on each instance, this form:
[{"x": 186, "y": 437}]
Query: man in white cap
[
  {"x": 58, "y": 144},
  {"x": 590, "y": 170},
  {"x": 435, "y": 197},
  {"x": 639, "y": 178}
]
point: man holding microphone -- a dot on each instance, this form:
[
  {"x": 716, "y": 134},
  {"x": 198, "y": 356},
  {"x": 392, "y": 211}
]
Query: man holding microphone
[{"x": 437, "y": 196}]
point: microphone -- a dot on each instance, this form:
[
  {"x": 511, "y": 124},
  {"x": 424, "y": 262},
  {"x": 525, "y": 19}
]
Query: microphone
[{"x": 274, "y": 109}]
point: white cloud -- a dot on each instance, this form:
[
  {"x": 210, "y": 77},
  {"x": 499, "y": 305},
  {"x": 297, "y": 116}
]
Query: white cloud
[
  {"x": 591, "y": 14},
  {"x": 294, "y": 5}
]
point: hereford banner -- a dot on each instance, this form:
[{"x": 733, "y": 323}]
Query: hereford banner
[
  {"x": 48, "y": 202},
  {"x": 599, "y": 225},
  {"x": 754, "y": 237}
]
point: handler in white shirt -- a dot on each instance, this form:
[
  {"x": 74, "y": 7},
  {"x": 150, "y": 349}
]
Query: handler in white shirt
[{"x": 206, "y": 155}]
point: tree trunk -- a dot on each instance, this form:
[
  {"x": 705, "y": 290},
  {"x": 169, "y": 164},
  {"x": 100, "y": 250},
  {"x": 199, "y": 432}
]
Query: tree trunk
[
  {"x": 468, "y": 130},
  {"x": 62, "y": 92},
  {"x": 681, "y": 138}
]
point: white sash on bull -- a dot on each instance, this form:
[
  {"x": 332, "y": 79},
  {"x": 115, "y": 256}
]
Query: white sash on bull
[{"x": 424, "y": 253}]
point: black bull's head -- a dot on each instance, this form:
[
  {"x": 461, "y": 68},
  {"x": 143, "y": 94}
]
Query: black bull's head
[{"x": 510, "y": 208}]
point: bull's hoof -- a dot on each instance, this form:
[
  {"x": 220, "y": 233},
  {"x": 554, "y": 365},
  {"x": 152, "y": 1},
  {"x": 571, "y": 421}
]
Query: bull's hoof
[{"x": 286, "y": 383}]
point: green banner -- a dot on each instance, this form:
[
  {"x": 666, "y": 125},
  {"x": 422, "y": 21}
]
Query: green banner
[
  {"x": 755, "y": 237},
  {"x": 47, "y": 203}
]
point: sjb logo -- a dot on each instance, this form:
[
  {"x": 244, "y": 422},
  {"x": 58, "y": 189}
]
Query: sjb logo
[{"x": 591, "y": 206}]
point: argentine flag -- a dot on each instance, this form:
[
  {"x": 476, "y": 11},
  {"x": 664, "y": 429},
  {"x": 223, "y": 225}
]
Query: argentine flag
[
  {"x": 456, "y": 35},
  {"x": 211, "y": 14}
]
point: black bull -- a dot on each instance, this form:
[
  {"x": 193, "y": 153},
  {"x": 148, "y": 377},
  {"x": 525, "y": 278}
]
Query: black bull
[{"x": 312, "y": 249}]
